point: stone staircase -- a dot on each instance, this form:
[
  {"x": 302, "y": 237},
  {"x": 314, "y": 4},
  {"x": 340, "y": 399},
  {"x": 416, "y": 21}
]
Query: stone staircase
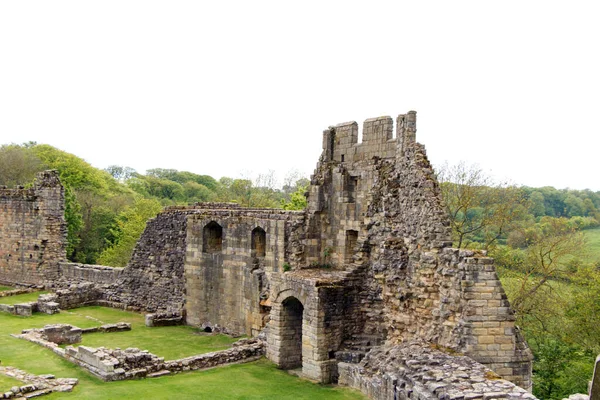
[{"x": 353, "y": 350}]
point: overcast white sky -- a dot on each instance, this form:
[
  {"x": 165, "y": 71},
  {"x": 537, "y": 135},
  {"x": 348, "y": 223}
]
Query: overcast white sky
[{"x": 229, "y": 88}]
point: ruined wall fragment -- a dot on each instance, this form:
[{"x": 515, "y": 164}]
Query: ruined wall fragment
[{"x": 33, "y": 231}]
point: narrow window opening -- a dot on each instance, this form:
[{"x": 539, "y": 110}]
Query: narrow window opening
[
  {"x": 342, "y": 158},
  {"x": 351, "y": 185},
  {"x": 351, "y": 240},
  {"x": 212, "y": 238},
  {"x": 259, "y": 242}
]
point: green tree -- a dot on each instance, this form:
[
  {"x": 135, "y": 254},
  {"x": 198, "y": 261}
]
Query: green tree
[
  {"x": 18, "y": 165},
  {"x": 297, "y": 200},
  {"x": 120, "y": 173},
  {"x": 197, "y": 192},
  {"x": 93, "y": 199},
  {"x": 551, "y": 244},
  {"x": 481, "y": 210},
  {"x": 130, "y": 225},
  {"x": 536, "y": 204}
]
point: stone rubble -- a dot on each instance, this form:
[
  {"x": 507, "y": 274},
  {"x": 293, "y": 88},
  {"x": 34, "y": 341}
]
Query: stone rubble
[
  {"x": 34, "y": 385},
  {"x": 417, "y": 370}
]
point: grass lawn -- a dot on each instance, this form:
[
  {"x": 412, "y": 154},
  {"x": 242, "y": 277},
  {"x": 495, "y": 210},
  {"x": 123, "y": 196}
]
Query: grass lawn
[
  {"x": 6, "y": 383},
  {"x": 5, "y": 288},
  {"x": 170, "y": 342},
  {"x": 257, "y": 380},
  {"x": 21, "y": 298}
]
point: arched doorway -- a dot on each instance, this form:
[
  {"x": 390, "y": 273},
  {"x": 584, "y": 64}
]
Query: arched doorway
[{"x": 291, "y": 333}]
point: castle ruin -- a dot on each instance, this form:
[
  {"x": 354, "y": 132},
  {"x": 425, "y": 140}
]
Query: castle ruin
[{"x": 353, "y": 289}]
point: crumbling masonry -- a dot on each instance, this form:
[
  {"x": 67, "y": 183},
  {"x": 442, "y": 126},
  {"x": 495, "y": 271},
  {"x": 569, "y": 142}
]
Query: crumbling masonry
[{"x": 365, "y": 272}]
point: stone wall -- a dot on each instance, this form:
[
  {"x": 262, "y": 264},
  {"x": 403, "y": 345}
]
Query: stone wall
[
  {"x": 33, "y": 231},
  {"x": 225, "y": 285},
  {"x": 429, "y": 291},
  {"x": 153, "y": 279},
  {"x": 416, "y": 370},
  {"x": 74, "y": 272}
]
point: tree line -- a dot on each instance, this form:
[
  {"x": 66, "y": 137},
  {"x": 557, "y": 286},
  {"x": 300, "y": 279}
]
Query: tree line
[
  {"x": 106, "y": 210},
  {"x": 546, "y": 244}
]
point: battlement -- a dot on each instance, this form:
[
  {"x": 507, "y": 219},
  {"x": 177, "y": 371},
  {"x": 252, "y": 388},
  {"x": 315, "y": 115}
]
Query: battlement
[{"x": 340, "y": 142}]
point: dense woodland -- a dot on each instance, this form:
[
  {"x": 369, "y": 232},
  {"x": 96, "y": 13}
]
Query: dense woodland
[{"x": 546, "y": 241}]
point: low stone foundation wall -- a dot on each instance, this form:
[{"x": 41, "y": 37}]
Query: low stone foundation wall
[
  {"x": 34, "y": 385},
  {"x": 244, "y": 350},
  {"x": 17, "y": 291},
  {"x": 417, "y": 371},
  {"x": 23, "y": 309},
  {"x": 100, "y": 274},
  {"x": 132, "y": 363}
]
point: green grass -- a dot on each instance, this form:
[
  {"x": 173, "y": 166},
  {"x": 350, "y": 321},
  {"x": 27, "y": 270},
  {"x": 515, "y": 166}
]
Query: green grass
[
  {"x": 257, "y": 380},
  {"x": 7, "y": 382},
  {"x": 592, "y": 237},
  {"x": 5, "y": 288},
  {"x": 21, "y": 298},
  {"x": 170, "y": 342}
]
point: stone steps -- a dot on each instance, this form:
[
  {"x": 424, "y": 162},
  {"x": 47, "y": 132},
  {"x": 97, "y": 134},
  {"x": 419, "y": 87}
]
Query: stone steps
[{"x": 353, "y": 350}]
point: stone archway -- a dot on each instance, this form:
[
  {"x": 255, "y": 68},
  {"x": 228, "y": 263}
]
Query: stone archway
[{"x": 292, "y": 314}]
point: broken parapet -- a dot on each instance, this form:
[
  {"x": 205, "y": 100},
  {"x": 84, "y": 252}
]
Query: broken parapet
[{"x": 418, "y": 370}]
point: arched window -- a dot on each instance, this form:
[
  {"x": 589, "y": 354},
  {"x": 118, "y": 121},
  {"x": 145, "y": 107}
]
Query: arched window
[
  {"x": 212, "y": 238},
  {"x": 259, "y": 242}
]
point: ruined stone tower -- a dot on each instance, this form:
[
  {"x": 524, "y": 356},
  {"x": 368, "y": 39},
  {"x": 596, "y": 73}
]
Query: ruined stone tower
[{"x": 32, "y": 231}]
